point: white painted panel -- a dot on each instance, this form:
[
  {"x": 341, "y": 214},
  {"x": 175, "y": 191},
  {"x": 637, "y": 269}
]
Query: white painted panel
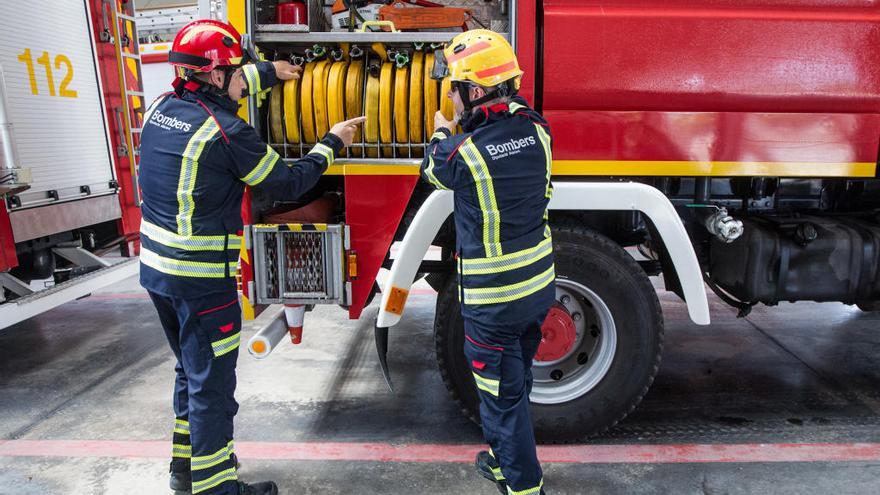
[{"x": 63, "y": 140}]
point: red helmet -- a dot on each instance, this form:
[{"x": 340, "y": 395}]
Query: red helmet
[{"x": 206, "y": 44}]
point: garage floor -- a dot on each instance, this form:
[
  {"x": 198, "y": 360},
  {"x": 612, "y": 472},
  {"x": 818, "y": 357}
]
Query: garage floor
[{"x": 85, "y": 408}]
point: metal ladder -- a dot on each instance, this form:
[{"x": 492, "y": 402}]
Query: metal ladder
[{"x": 121, "y": 30}]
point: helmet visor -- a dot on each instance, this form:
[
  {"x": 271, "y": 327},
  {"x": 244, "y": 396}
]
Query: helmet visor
[{"x": 441, "y": 68}]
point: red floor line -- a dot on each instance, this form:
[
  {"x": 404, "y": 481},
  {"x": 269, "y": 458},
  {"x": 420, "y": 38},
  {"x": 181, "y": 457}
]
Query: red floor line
[{"x": 384, "y": 452}]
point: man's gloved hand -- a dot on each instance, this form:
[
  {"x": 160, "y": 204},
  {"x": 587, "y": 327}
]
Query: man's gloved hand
[
  {"x": 286, "y": 71},
  {"x": 440, "y": 121},
  {"x": 345, "y": 130}
]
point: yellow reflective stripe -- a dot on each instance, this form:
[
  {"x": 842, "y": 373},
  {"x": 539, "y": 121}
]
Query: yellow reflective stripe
[
  {"x": 189, "y": 242},
  {"x": 429, "y": 174},
  {"x": 208, "y": 461},
  {"x": 226, "y": 345},
  {"x": 507, "y": 293},
  {"x": 486, "y": 384},
  {"x": 507, "y": 262},
  {"x": 186, "y": 268},
  {"x": 548, "y": 154},
  {"x": 189, "y": 168},
  {"x": 180, "y": 450},
  {"x": 438, "y": 135},
  {"x": 181, "y": 426},
  {"x": 222, "y": 476},
  {"x": 497, "y": 472},
  {"x": 514, "y": 106},
  {"x": 252, "y": 76},
  {"x": 535, "y": 490},
  {"x": 230, "y": 447},
  {"x": 325, "y": 151},
  {"x": 263, "y": 168},
  {"x": 486, "y": 197}
]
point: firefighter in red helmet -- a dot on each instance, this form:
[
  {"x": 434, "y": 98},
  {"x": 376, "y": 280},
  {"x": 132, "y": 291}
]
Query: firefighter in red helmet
[{"x": 197, "y": 156}]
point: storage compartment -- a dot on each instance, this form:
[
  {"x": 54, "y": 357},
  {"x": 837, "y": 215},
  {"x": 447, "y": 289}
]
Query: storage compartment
[
  {"x": 300, "y": 264},
  {"x": 376, "y": 71},
  {"x": 805, "y": 258}
]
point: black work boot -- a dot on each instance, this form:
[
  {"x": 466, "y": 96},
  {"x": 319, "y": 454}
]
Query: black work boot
[
  {"x": 261, "y": 488},
  {"x": 181, "y": 476},
  {"x": 489, "y": 468}
]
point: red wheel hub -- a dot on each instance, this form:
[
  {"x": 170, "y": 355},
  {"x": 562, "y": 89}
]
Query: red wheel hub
[{"x": 558, "y": 335}]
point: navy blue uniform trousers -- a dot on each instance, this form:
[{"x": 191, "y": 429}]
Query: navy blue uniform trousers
[
  {"x": 204, "y": 334},
  {"x": 500, "y": 356}
]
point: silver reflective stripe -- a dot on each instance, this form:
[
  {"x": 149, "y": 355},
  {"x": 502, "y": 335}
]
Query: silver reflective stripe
[
  {"x": 221, "y": 477},
  {"x": 189, "y": 168},
  {"x": 181, "y": 426},
  {"x": 486, "y": 197},
  {"x": 429, "y": 174},
  {"x": 507, "y": 262},
  {"x": 180, "y": 450},
  {"x": 226, "y": 345},
  {"x": 486, "y": 384},
  {"x": 263, "y": 168},
  {"x": 191, "y": 242},
  {"x": 252, "y": 76},
  {"x": 325, "y": 151},
  {"x": 182, "y": 268},
  {"x": 507, "y": 293},
  {"x": 207, "y": 461},
  {"x": 548, "y": 157}
]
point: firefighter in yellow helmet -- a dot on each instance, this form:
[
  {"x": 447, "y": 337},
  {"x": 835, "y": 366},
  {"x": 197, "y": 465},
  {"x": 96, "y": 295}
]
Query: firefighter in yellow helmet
[{"x": 499, "y": 170}]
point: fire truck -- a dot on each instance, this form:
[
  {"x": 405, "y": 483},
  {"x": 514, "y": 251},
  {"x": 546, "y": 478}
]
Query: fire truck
[
  {"x": 720, "y": 145},
  {"x": 70, "y": 116}
]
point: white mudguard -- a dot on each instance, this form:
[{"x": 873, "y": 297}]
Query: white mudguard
[{"x": 582, "y": 196}]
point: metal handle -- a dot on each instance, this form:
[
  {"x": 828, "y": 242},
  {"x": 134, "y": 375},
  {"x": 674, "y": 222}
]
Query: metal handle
[{"x": 387, "y": 24}]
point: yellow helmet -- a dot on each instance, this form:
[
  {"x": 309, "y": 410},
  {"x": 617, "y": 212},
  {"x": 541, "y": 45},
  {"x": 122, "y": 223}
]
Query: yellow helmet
[{"x": 482, "y": 57}]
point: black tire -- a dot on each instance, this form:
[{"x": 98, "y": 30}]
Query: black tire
[
  {"x": 590, "y": 259},
  {"x": 869, "y": 306}
]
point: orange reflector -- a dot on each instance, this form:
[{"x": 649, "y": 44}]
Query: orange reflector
[
  {"x": 352, "y": 266},
  {"x": 259, "y": 347},
  {"x": 396, "y": 300}
]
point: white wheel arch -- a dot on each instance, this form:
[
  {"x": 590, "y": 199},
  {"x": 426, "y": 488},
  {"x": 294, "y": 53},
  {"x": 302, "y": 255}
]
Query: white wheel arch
[{"x": 581, "y": 196}]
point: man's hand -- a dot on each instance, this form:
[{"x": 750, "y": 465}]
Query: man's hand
[
  {"x": 286, "y": 71},
  {"x": 345, "y": 130},
  {"x": 440, "y": 121}
]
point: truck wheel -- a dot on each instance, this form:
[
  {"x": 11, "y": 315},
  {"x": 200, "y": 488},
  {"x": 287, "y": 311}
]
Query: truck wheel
[
  {"x": 601, "y": 347},
  {"x": 868, "y": 306}
]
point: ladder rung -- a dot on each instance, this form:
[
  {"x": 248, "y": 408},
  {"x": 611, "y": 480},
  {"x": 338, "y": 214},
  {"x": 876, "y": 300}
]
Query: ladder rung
[
  {"x": 137, "y": 129},
  {"x": 125, "y": 16},
  {"x": 131, "y": 55},
  {"x": 134, "y": 93}
]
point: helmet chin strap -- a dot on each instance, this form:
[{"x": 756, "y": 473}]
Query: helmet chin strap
[
  {"x": 502, "y": 90},
  {"x": 223, "y": 91}
]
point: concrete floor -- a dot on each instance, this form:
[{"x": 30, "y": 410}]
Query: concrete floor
[{"x": 98, "y": 370}]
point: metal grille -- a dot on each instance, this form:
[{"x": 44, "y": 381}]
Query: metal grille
[
  {"x": 303, "y": 263},
  {"x": 300, "y": 264},
  {"x": 271, "y": 265}
]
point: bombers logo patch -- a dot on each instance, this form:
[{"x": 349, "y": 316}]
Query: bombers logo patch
[
  {"x": 511, "y": 147},
  {"x": 168, "y": 123}
]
